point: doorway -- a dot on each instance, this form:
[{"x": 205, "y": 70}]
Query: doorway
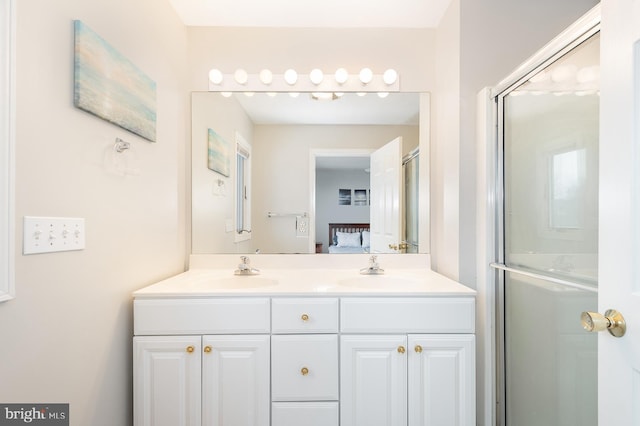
[{"x": 547, "y": 220}]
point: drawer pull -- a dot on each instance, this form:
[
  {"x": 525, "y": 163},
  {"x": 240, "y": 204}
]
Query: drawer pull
[
  {"x": 190, "y": 348},
  {"x": 208, "y": 348},
  {"x": 304, "y": 317},
  {"x": 401, "y": 349},
  {"x": 304, "y": 371},
  {"x": 418, "y": 349}
]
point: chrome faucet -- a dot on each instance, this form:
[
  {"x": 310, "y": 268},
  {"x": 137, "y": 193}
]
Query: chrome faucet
[
  {"x": 373, "y": 268},
  {"x": 245, "y": 268}
]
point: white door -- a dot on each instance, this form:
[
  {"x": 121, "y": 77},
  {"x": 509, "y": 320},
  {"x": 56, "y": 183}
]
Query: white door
[
  {"x": 442, "y": 380},
  {"x": 619, "y": 243},
  {"x": 386, "y": 197},
  {"x": 235, "y": 380},
  {"x": 166, "y": 380},
  {"x": 373, "y": 380}
]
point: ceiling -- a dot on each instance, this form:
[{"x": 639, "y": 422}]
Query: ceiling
[{"x": 312, "y": 13}]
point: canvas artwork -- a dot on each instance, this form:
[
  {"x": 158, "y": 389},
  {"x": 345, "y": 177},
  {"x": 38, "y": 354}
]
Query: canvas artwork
[
  {"x": 359, "y": 197},
  {"x": 219, "y": 154},
  {"x": 109, "y": 86},
  {"x": 344, "y": 197}
]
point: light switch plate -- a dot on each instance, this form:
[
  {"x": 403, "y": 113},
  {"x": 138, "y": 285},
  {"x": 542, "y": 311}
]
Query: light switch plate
[{"x": 51, "y": 234}]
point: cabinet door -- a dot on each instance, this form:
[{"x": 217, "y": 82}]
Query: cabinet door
[
  {"x": 166, "y": 380},
  {"x": 235, "y": 380},
  {"x": 442, "y": 380},
  {"x": 373, "y": 380}
]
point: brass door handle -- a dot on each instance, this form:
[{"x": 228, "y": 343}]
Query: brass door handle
[
  {"x": 393, "y": 246},
  {"x": 612, "y": 321}
]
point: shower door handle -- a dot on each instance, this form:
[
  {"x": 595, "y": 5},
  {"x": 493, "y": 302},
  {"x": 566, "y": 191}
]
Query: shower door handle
[{"x": 612, "y": 321}]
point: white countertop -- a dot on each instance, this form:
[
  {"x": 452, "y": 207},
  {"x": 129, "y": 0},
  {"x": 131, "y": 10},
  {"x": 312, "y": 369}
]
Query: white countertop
[{"x": 314, "y": 282}]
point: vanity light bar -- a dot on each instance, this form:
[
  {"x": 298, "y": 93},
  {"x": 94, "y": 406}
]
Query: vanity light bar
[{"x": 316, "y": 81}]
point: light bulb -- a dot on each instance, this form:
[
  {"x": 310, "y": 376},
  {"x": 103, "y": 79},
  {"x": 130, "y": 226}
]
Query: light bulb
[
  {"x": 266, "y": 76},
  {"x": 291, "y": 76},
  {"x": 390, "y": 76},
  {"x": 366, "y": 75},
  {"x": 383, "y": 94},
  {"x": 316, "y": 76},
  {"x": 341, "y": 76},
  {"x": 215, "y": 76},
  {"x": 241, "y": 76}
]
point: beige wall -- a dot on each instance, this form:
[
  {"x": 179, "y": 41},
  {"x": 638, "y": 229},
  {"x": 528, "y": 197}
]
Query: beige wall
[{"x": 66, "y": 337}]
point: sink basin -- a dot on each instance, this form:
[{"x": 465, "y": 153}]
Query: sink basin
[
  {"x": 237, "y": 282},
  {"x": 379, "y": 282}
]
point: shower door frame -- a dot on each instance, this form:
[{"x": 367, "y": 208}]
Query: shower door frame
[{"x": 492, "y": 269}]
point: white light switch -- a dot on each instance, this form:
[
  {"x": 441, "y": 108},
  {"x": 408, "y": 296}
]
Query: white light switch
[{"x": 49, "y": 234}]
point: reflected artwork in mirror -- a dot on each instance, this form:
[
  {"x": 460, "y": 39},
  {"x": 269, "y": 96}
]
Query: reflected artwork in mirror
[{"x": 302, "y": 148}]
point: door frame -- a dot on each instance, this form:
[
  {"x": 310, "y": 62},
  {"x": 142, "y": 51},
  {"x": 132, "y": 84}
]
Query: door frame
[{"x": 489, "y": 207}]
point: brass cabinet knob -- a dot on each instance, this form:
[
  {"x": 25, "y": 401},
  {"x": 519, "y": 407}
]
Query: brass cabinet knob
[
  {"x": 304, "y": 317},
  {"x": 612, "y": 321},
  {"x": 304, "y": 371},
  {"x": 208, "y": 348},
  {"x": 418, "y": 349},
  {"x": 401, "y": 349},
  {"x": 190, "y": 348}
]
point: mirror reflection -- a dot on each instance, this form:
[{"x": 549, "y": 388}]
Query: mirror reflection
[{"x": 273, "y": 173}]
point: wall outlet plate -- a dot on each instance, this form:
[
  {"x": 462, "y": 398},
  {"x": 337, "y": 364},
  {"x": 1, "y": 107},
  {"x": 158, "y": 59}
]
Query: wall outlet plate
[
  {"x": 51, "y": 234},
  {"x": 302, "y": 226}
]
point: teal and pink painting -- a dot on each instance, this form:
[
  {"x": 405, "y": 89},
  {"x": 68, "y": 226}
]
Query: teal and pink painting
[
  {"x": 110, "y": 86},
  {"x": 218, "y": 153}
]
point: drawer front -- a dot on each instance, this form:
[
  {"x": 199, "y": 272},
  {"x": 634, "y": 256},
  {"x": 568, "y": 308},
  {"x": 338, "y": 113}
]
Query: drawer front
[
  {"x": 304, "y": 367},
  {"x": 201, "y": 316},
  {"x": 304, "y": 315},
  {"x": 407, "y": 315},
  {"x": 305, "y": 413}
]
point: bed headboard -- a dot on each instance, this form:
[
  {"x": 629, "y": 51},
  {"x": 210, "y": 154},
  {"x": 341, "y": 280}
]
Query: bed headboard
[{"x": 345, "y": 227}]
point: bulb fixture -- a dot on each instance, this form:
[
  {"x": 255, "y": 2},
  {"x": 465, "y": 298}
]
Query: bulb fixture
[
  {"x": 266, "y": 76},
  {"x": 215, "y": 76},
  {"x": 390, "y": 76},
  {"x": 291, "y": 76},
  {"x": 383, "y": 94},
  {"x": 366, "y": 75},
  {"x": 241, "y": 76},
  {"x": 341, "y": 76},
  {"x": 316, "y": 76}
]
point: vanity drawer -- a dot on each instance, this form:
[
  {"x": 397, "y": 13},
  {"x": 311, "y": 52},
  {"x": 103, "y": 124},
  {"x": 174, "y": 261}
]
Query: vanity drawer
[
  {"x": 304, "y": 367},
  {"x": 201, "y": 316},
  {"x": 305, "y": 413},
  {"x": 304, "y": 315},
  {"x": 407, "y": 315}
]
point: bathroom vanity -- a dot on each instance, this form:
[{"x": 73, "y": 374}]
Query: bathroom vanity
[{"x": 304, "y": 346}]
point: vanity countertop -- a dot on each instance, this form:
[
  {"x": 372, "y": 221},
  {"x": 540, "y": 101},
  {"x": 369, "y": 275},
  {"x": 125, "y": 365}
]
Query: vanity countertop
[{"x": 201, "y": 283}]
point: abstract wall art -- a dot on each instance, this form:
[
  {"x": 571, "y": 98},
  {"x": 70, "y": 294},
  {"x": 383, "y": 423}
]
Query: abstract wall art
[{"x": 109, "y": 86}]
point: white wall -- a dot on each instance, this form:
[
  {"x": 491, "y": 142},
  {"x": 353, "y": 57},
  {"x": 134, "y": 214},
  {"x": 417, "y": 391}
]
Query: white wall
[{"x": 66, "y": 337}]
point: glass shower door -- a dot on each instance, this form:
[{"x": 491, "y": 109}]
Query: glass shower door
[{"x": 550, "y": 232}]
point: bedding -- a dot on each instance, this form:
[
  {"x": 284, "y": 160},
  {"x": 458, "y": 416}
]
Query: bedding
[{"x": 349, "y": 238}]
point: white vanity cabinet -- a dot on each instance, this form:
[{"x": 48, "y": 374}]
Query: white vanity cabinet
[
  {"x": 391, "y": 376},
  {"x": 304, "y": 362},
  {"x": 317, "y": 360},
  {"x": 197, "y": 378}
]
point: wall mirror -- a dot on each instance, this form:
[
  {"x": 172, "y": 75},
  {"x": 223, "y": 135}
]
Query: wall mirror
[{"x": 310, "y": 172}]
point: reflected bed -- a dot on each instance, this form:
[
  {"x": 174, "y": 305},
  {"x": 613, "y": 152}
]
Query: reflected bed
[{"x": 349, "y": 238}]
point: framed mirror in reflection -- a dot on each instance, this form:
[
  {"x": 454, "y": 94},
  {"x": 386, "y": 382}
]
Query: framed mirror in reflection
[{"x": 293, "y": 159}]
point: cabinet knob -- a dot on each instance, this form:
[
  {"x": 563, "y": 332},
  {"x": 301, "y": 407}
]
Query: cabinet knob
[
  {"x": 418, "y": 349},
  {"x": 208, "y": 348},
  {"x": 304, "y": 371},
  {"x": 401, "y": 349},
  {"x": 304, "y": 317},
  {"x": 190, "y": 348}
]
